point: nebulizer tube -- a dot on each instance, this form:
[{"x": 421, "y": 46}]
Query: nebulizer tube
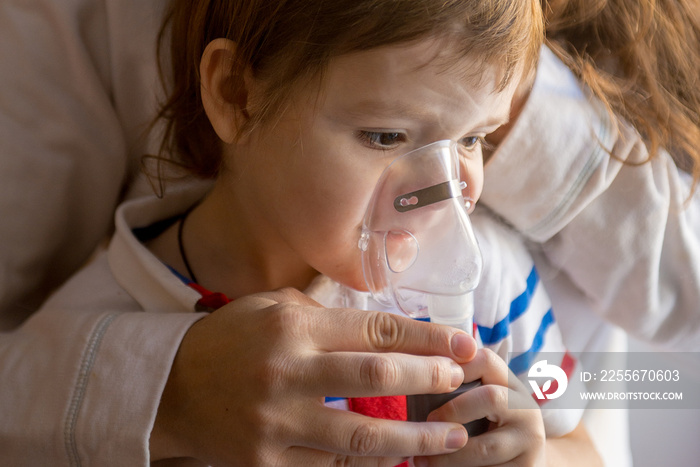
[{"x": 419, "y": 252}]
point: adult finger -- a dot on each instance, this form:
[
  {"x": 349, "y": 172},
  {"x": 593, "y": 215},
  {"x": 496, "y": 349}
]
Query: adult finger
[
  {"x": 374, "y": 331},
  {"x": 352, "y": 434},
  {"x": 343, "y": 329},
  {"x": 360, "y": 374},
  {"x": 490, "y": 452},
  {"x": 300, "y": 456}
]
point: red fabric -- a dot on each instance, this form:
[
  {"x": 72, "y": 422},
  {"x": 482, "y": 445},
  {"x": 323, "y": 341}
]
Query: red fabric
[
  {"x": 210, "y": 300},
  {"x": 389, "y": 408},
  {"x": 213, "y": 301}
]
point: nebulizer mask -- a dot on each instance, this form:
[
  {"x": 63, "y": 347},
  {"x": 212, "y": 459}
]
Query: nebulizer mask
[{"x": 419, "y": 252}]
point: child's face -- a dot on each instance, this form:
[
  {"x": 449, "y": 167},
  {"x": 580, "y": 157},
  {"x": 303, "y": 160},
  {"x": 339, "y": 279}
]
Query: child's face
[{"x": 304, "y": 180}]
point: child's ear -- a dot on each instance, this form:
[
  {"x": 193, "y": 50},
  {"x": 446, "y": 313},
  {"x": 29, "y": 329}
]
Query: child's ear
[{"x": 224, "y": 90}]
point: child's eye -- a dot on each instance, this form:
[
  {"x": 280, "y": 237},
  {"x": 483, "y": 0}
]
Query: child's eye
[
  {"x": 470, "y": 142},
  {"x": 381, "y": 140}
]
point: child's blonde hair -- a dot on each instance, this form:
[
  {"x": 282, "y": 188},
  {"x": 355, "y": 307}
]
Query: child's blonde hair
[
  {"x": 285, "y": 41},
  {"x": 642, "y": 57}
]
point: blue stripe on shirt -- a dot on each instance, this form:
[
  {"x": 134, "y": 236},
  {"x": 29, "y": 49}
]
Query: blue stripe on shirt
[
  {"x": 518, "y": 306},
  {"x": 332, "y": 399},
  {"x": 522, "y": 362},
  {"x": 182, "y": 278}
]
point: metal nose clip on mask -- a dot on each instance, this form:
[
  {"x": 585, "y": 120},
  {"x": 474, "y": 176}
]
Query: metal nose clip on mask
[{"x": 419, "y": 251}]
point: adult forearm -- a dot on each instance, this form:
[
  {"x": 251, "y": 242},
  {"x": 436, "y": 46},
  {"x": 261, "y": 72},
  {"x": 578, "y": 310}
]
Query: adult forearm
[
  {"x": 82, "y": 385},
  {"x": 579, "y": 186}
]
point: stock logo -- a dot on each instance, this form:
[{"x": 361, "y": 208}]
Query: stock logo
[{"x": 557, "y": 381}]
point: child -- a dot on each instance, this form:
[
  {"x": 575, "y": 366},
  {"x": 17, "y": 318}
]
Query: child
[{"x": 297, "y": 124}]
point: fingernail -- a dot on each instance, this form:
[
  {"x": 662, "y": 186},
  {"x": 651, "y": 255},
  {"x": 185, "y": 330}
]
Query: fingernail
[
  {"x": 457, "y": 375},
  {"x": 456, "y": 439},
  {"x": 462, "y": 345}
]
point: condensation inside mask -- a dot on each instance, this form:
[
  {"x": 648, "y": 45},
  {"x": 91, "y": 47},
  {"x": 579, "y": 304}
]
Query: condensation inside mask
[{"x": 419, "y": 251}]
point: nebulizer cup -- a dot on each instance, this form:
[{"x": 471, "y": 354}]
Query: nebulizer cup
[{"x": 419, "y": 252}]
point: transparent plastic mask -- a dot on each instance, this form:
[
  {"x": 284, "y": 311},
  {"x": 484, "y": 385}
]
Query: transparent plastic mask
[{"x": 419, "y": 251}]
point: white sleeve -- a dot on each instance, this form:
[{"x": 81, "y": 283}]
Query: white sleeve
[
  {"x": 77, "y": 81},
  {"x": 626, "y": 235},
  {"x": 81, "y": 386}
]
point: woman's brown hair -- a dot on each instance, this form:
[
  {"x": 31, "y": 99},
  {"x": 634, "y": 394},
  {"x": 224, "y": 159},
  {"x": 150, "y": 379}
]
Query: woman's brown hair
[
  {"x": 285, "y": 41},
  {"x": 642, "y": 58}
]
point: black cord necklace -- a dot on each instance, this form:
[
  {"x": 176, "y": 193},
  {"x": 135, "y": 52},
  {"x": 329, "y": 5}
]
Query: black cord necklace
[{"x": 180, "y": 227}]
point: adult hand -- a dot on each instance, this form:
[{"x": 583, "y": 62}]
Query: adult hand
[
  {"x": 248, "y": 384},
  {"x": 516, "y": 436}
]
